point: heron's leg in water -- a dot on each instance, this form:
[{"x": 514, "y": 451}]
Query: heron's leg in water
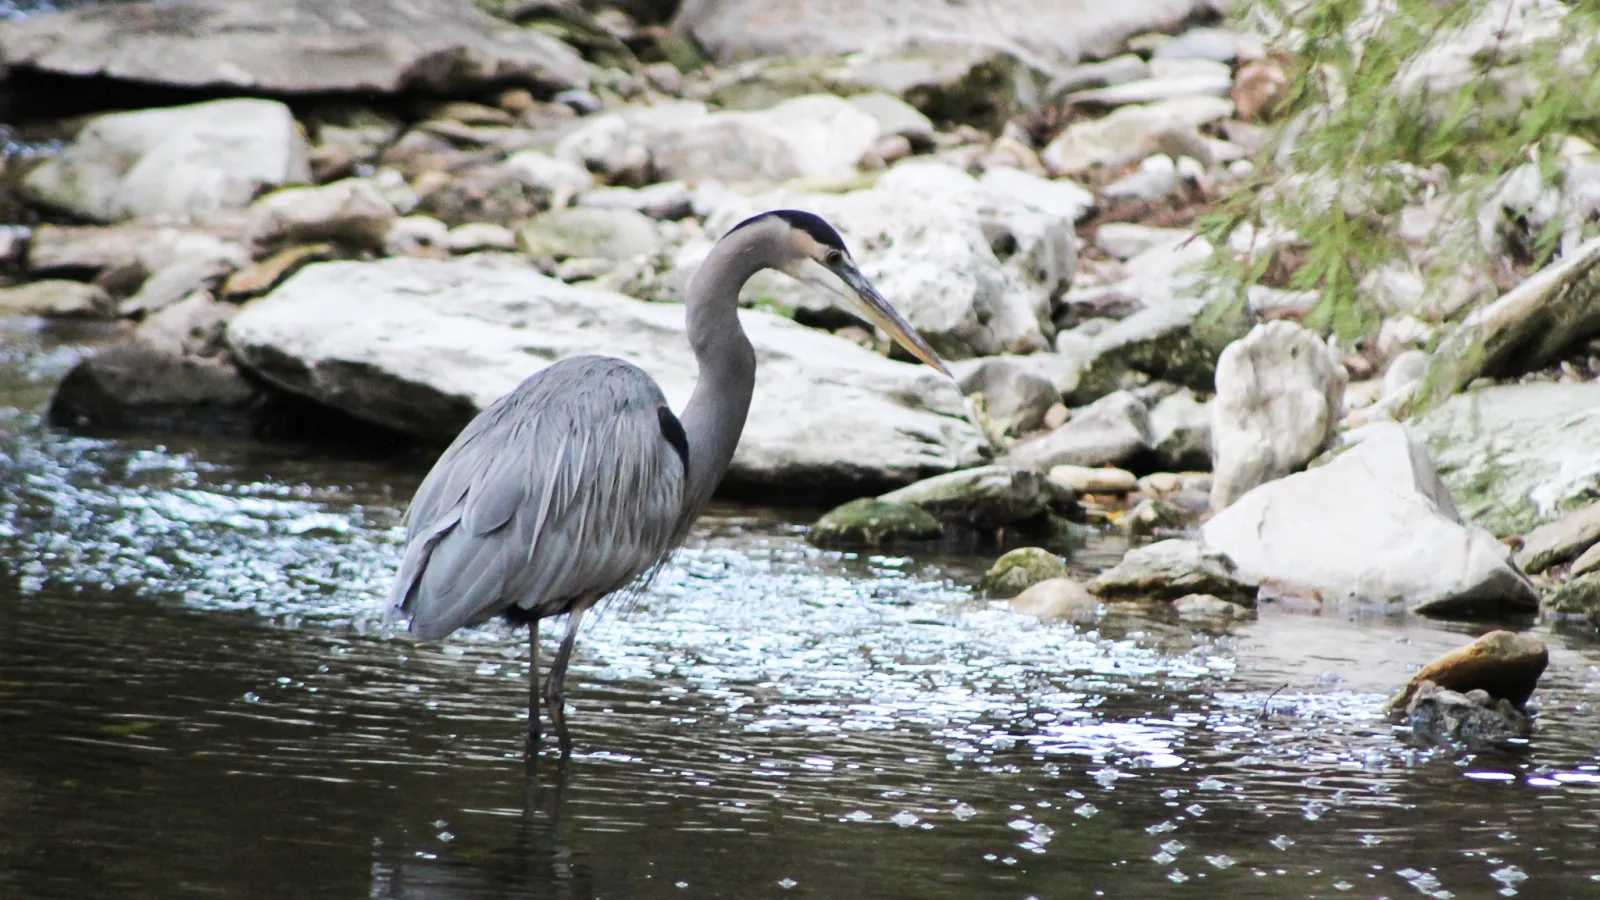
[
  {"x": 556, "y": 686},
  {"x": 533, "y": 688}
]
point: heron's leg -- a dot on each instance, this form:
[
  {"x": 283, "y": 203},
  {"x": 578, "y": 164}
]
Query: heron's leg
[
  {"x": 533, "y": 690},
  {"x": 556, "y": 686}
]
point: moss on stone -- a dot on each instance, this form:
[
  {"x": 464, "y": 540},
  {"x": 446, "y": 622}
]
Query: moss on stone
[
  {"x": 869, "y": 522},
  {"x": 1021, "y": 569}
]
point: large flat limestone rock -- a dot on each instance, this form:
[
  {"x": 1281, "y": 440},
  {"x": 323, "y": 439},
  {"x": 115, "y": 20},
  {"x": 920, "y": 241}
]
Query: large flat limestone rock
[
  {"x": 422, "y": 345},
  {"x": 292, "y": 46}
]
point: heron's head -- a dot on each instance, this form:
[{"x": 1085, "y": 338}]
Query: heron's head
[{"x": 814, "y": 253}]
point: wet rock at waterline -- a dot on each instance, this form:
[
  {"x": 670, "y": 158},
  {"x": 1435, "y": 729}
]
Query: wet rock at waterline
[
  {"x": 1058, "y": 598},
  {"x": 1279, "y": 400},
  {"x": 1021, "y": 569},
  {"x": 421, "y": 345},
  {"x": 1579, "y": 598},
  {"x": 867, "y": 522},
  {"x": 1375, "y": 524},
  {"x": 1445, "y": 716},
  {"x": 181, "y": 163},
  {"x": 1208, "y": 607},
  {"x": 1505, "y": 665},
  {"x": 1556, "y": 542},
  {"x": 172, "y": 368},
  {"x": 1517, "y": 455},
  {"x": 293, "y": 46},
  {"x": 1168, "y": 570},
  {"x": 988, "y": 498}
]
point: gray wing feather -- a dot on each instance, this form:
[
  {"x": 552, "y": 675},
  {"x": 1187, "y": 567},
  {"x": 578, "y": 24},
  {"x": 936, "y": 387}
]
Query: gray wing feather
[{"x": 564, "y": 488}]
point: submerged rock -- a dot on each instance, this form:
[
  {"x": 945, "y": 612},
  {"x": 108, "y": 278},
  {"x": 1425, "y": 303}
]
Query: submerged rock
[
  {"x": 986, "y": 498},
  {"x": 1058, "y": 598},
  {"x": 179, "y": 163},
  {"x": 421, "y": 345},
  {"x": 1280, "y": 396},
  {"x": 1168, "y": 570},
  {"x": 1021, "y": 569},
  {"x": 1375, "y": 524},
  {"x": 867, "y": 522},
  {"x": 1518, "y": 455},
  {"x": 293, "y": 46},
  {"x": 1503, "y": 664}
]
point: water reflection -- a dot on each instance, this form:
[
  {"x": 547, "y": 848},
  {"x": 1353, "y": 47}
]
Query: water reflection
[{"x": 194, "y": 694}]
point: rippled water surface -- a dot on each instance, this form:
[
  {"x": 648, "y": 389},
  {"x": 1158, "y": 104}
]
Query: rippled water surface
[{"x": 196, "y": 699}]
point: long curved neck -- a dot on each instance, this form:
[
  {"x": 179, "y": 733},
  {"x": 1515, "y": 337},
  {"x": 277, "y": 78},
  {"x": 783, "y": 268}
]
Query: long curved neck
[{"x": 716, "y": 413}]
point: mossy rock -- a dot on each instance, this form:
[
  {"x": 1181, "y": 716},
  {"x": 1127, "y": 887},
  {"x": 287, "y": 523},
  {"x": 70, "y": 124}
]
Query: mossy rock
[
  {"x": 1578, "y": 597},
  {"x": 1021, "y": 569},
  {"x": 869, "y": 522}
]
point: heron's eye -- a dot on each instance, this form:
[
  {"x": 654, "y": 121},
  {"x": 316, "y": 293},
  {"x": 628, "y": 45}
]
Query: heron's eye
[{"x": 833, "y": 257}]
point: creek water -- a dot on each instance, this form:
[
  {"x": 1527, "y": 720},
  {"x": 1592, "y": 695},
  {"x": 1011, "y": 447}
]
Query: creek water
[{"x": 197, "y": 698}]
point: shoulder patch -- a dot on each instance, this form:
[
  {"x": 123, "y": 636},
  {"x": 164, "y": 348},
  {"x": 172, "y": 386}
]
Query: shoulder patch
[{"x": 672, "y": 430}]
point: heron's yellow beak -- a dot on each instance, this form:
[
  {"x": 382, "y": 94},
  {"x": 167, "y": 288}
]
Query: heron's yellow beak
[{"x": 880, "y": 313}]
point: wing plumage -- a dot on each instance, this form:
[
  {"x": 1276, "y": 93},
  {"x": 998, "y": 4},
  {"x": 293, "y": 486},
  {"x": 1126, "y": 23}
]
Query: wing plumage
[{"x": 564, "y": 488}]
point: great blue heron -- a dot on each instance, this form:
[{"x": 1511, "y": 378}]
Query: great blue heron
[{"x": 581, "y": 479}]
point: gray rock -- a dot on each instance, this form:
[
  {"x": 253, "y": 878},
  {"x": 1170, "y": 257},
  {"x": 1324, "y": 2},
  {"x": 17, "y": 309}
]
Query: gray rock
[
  {"x": 667, "y": 200},
  {"x": 985, "y": 498},
  {"x": 504, "y": 193},
  {"x": 1058, "y": 598},
  {"x": 1587, "y": 562},
  {"x": 1087, "y": 480},
  {"x": 1520, "y": 455},
  {"x": 590, "y": 232},
  {"x": 179, "y": 279},
  {"x": 1180, "y": 425},
  {"x": 57, "y": 299},
  {"x": 1116, "y": 70},
  {"x": 1203, "y": 44},
  {"x": 817, "y": 136},
  {"x": 1109, "y": 432},
  {"x": 1012, "y": 398},
  {"x": 873, "y": 523},
  {"x": 293, "y": 46},
  {"x": 352, "y": 212},
  {"x": 928, "y": 246},
  {"x": 1125, "y": 240},
  {"x": 1168, "y": 570},
  {"x": 1556, "y": 542},
  {"x": 1205, "y": 606},
  {"x": 1132, "y": 133},
  {"x": 422, "y": 345},
  {"x": 173, "y": 367},
  {"x": 179, "y": 163},
  {"x": 475, "y": 236},
  {"x": 1159, "y": 89},
  {"x": 1445, "y": 716},
  {"x": 1053, "y": 33},
  {"x": 1058, "y": 198},
  {"x": 1280, "y": 396},
  {"x": 1578, "y": 598},
  {"x": 1156, "y": 179},
  {"x": 895, "y": 116},
  {"x": 1021, "y": 569},
  {"x": 416, "y": 235},
  {"x": 1375, "y": 524}
]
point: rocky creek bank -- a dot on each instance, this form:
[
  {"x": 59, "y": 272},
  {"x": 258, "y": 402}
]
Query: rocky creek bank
[{"x": 393, "y": 212}]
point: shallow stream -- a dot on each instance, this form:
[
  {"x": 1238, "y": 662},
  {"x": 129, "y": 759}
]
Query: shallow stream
[{"x": 197, "y": 699}]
